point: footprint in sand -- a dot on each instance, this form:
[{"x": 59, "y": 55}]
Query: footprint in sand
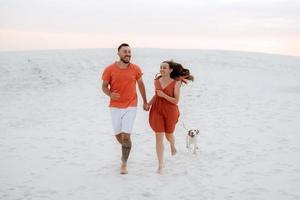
[{"x": 146, "y": 194}]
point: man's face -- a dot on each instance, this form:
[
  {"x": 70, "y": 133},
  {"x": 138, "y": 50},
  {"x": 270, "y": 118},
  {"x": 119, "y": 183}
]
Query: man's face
[{"x": 125, "y": 54}]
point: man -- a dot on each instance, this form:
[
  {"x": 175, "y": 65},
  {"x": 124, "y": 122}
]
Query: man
[{"x": 119, "y": 83}]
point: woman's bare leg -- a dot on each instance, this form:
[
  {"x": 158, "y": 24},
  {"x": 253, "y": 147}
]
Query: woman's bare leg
[
  {"x": 171, "y": 139},
  {"x": 160, "y": 151}
]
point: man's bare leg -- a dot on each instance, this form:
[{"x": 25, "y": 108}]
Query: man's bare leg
[
  {"x": 119, "y": 138},
  {"x": 126, "y": 147}
]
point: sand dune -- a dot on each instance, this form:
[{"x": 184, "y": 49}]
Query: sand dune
[{"x": 56, "y": 138}]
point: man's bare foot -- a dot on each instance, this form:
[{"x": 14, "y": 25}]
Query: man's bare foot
[
  {"x": 123, "y": 169},
  {"x": 173, "y": 150}
]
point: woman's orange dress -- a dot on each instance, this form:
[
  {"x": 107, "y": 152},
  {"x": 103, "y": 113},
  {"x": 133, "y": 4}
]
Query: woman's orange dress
[{"x": 163, "y": 114}]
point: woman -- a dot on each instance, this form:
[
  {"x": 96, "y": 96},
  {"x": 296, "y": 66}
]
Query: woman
[{"x": 164, "y": 111}]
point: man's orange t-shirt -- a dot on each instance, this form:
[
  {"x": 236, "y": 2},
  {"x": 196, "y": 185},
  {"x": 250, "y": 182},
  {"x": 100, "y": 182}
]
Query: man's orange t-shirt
[{"x": 123, "y": 81}]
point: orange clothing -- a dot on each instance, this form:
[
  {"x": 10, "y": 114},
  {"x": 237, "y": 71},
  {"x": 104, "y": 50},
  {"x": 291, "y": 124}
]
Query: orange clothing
[
  {"x": 123, "y": 81},
  {"x": 163, "y": 114}
]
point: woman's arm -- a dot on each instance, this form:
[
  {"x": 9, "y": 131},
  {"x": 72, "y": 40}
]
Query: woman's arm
[
  {"x": 151, "y": 101},
  {"x": 174, "y": 99}
]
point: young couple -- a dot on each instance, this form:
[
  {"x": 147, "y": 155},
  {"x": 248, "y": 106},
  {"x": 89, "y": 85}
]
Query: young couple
[{"x": 119, "y": 83}]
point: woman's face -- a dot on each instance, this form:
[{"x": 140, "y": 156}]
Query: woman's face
[{"x": 165, "y": 69}]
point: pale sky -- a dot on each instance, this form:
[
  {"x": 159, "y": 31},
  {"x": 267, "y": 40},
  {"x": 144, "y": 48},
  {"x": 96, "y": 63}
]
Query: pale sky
[{"x": 271, "y": 26}]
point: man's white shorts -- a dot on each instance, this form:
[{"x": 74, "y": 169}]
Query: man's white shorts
[{"x": 123, "y": 119}]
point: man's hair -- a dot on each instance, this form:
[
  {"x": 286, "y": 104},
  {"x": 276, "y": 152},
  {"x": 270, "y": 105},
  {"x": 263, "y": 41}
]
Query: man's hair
[{"x": 123, "y": 45}]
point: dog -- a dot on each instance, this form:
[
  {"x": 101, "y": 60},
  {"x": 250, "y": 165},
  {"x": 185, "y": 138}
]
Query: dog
[{"x": 191, "y": 139}]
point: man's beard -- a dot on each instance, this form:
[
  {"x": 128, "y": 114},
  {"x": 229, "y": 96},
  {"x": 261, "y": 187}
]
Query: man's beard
[{"x": 125, "y": 61}]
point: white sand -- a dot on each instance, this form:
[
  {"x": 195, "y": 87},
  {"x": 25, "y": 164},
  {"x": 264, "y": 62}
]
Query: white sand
[{"x": 56, "y": 138}]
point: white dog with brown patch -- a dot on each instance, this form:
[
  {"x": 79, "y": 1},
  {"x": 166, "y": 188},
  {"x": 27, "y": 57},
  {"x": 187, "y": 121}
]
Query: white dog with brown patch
[{"x": 191, "y": 139}]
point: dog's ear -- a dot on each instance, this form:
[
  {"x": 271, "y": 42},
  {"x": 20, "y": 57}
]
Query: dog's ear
[{"x": 197, "y": 131}]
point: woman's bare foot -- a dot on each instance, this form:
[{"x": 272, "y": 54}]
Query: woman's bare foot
[
  {"x": 123, "y": 169},
  {"x": 173, "y": 150},
  {"x": 160, "y": 169}
]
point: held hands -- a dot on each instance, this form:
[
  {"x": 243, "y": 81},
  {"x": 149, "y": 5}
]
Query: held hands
[
  {"x": 115, "y": 96},
  {"x": 146, "y": 107}
]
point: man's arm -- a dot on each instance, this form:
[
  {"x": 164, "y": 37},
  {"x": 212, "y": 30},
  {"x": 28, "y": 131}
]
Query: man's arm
[
  {"x": 107, "y": 91},
  {"x": 105, "y": 88},
  {"x": 142, "y": 91}
]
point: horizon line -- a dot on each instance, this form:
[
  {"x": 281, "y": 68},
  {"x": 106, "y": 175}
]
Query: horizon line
[{"x": 158, "y": 48}]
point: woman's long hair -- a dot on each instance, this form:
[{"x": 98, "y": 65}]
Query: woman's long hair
[{"x": 178, "y": 73}]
